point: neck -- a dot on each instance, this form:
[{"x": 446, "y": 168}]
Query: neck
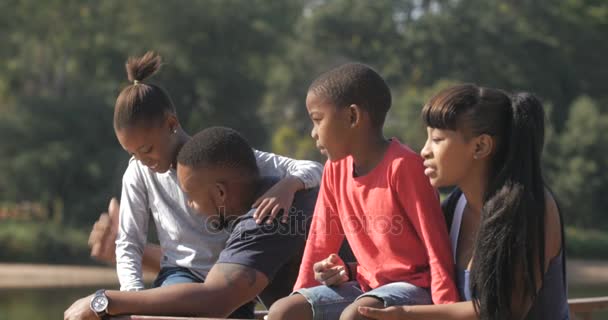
[
  {"x": 245, "y": 196},
  {"x": 474, "y": 188},
  {"x": 181, "y": 138},
  {"x": 368, "y": 152}
]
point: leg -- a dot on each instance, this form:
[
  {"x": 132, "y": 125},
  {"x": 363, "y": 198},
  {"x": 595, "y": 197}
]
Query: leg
[
  {"x": 352, "y": 313},
  {"x": 392, "y": 294},
  {"x": 294, "y": 307},
  {"x": 282, "y": 284},
  {"x": 318, "y": 303}
]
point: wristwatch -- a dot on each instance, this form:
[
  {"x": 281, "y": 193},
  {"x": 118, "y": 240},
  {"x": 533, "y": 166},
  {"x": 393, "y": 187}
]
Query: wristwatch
[{"x": 99, "y": 303}]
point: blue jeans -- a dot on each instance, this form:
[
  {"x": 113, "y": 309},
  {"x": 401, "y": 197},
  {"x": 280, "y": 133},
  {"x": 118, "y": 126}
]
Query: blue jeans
[
  {"x": 328, "y": 302},
  {"x": 174, "y": 275}
]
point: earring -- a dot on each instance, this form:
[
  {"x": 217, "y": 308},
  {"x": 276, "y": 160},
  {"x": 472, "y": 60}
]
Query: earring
[{"x": 174, "y": 130}]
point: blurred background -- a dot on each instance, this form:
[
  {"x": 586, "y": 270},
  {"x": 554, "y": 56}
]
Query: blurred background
[{"x": 247, "y": 64}]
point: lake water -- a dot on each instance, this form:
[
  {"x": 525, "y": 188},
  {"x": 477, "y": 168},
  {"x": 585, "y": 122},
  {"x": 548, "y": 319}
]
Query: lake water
[
  {"x": 49, "y": 304},
  {"x": 39, "y": 304}
]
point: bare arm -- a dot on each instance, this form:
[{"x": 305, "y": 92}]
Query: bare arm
[
  {"x": 454, "y": 311},
  {"x": 295, "y": 175},
  {"x": 279, "y": 197},
  {"x": 226, "y": 288}
]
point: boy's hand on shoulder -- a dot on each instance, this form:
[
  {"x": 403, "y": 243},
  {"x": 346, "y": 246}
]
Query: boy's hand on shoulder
[
  {"x": 102, "y": 239},
  {"x": 278, "y": 197},
  {"x": 331, "y": 271}
]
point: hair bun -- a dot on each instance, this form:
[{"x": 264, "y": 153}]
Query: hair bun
[{"x": 141, "y": 68}]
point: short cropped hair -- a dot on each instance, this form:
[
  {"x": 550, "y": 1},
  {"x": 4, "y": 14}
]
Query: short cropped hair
[
  {"x": 355, "y": 83},
  {"x": 219, "y": 147}
]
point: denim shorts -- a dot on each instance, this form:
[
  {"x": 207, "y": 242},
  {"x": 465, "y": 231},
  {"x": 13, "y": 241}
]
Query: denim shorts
[
  {"x": 173, "y": 275},
  {"x": 328, "y": 302}
]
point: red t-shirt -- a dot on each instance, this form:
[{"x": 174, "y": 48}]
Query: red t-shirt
[{"x": 392, "y": 220}]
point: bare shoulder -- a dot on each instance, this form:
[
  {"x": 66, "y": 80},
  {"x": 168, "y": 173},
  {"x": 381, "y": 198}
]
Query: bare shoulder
[{"x": 553, "y": 228}]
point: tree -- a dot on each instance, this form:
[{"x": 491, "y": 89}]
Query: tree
[
  {"x": 58, "y": 85},
  {"x": 580, "y": 180}
]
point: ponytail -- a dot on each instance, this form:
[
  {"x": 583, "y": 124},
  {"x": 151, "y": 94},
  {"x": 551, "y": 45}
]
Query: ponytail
[
  {"x": 513, "y": 215},
  {"x": 141, "y": 103}
]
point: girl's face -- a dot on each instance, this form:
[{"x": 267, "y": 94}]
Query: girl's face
[
  {"x": 154, "y": 146},
  {"x": 330, "y": 126},
  {"x": 448, "y": 156}
]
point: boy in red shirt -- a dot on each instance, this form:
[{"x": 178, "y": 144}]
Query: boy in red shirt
[{"x": 374, "y": 193}]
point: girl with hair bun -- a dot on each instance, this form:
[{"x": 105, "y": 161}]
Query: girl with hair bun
[{"x": 147, "y": 127}]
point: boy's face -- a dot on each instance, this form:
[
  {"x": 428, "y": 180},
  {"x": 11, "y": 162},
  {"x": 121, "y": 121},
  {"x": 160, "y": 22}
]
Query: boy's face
[
  {"x": 200, "y": 188},
  {"x": 330, "y": 126}
]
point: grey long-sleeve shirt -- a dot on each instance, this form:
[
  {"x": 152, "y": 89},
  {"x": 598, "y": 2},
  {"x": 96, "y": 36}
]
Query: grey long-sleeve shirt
[{"x": 186, "y": 238}]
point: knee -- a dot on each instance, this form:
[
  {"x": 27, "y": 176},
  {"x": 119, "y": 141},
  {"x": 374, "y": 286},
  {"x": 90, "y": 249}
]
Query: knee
[
  {"x": 279, "y": 309},
  {"x": 290, "y": 308},
  {"x": 352, "y": 311}
]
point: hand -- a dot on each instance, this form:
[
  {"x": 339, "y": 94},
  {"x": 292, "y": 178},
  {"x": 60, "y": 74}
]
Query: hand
[
  {"x": 331, "y": 271},
  {"x": 280, "y": 196},
  {"x": 80, "y": 310},
  {"x": 102, "y": 239},
  {"x": 390, "y": 313}
]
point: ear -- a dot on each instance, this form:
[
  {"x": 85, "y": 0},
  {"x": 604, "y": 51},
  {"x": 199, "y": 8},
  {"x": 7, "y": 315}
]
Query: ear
[
  {"x": 484, "y": 146},
  {"x": 354, "y": 114},
  {"x": 172, "y": 122},
  {"x": 220, "y": 193}
]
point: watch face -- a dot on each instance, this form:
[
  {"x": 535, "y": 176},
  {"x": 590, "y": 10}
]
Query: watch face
[{"x": 99, "y": 303}]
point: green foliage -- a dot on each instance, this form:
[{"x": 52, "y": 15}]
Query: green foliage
[
  {"x": 404, "y": 119},
  {"x": 580, "y": 179},
  {"x": 286, "y": 140},
  {"x": 586, "y": 243},
  {"x": 551, "y": 48},
  {"x": 248, "y": 64},
  {"x": 65, "y": 65},
  {"x": 42, "y": 242},
  {"x": 59, "y": 157}
]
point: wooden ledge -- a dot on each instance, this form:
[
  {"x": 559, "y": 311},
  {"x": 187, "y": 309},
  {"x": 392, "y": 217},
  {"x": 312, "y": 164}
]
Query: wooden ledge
[
  {"x": 258, "y": 316},
  {"x": 583, "y": 307}
]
